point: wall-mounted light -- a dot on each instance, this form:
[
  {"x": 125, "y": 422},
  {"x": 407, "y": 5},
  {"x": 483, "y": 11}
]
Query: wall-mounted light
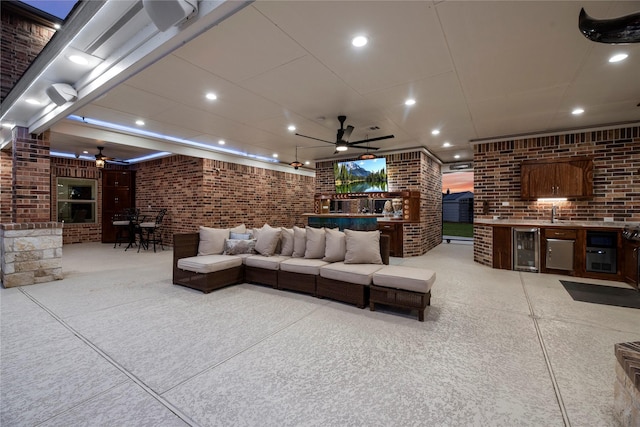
[{"x": 61, "y": 93}]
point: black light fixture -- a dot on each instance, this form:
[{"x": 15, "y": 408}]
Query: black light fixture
[
  {"x": 341, "y": 146},
  {"x": 296, "y": 164},
  {"x": 101, "y": 159}
]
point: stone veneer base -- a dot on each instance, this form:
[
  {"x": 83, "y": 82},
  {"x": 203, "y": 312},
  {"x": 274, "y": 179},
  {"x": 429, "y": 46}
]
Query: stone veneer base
[
  {"x": 31, "y": 253},
  {"x": 626, "y": 402}
]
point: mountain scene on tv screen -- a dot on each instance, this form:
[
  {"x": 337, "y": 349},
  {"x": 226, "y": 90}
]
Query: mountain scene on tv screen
[{"x": 351, "y": 177}]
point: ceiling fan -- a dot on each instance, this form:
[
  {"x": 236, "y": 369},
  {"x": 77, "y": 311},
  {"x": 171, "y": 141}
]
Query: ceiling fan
[
  {"x": 101, "y": 159},
  {"x": 342, "y": 138}
]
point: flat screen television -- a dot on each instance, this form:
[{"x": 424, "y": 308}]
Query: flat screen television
[{"x": 361, "y": 176}]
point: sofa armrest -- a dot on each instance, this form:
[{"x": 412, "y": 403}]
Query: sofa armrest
[
  {"x": 185, "y": 245},
  {"x": 385, "y": 243}
]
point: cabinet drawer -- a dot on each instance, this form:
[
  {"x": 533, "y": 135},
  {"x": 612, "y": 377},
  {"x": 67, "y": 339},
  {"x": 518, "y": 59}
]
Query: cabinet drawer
[
  {"x": 386, "y": 227},
  {"x": 559, "y": 233}
]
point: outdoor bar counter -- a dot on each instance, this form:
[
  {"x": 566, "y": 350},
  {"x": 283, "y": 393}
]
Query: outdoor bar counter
[{"x": 360, "y": 222}]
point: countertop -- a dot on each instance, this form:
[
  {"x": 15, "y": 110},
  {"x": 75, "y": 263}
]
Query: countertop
[
  {"x": 379, "y": 217},
  {"x": 557, "y": 223}
]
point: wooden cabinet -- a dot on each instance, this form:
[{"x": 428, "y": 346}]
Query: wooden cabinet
[
  {"x": 502, "y": 248},
  {"x": 394, "y": 231},
  {"x": 571, "y": 178},
  {"x": 630, "y": 254},
  {"x": 118, "y": 194}
]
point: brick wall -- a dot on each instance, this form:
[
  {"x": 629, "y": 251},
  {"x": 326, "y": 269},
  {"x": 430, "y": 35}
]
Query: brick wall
[
  {"x": 413, "y": 171},
  {"x": 220, "y": 194},
  {"x": 616, "y": 177},
  {"x": 6, "y": 167},
  {"x": 72, "y": 168},
  {"x": 22, "y": 40}
]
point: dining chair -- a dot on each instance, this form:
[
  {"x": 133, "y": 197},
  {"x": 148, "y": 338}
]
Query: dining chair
[{"x": 151, "y": 231}]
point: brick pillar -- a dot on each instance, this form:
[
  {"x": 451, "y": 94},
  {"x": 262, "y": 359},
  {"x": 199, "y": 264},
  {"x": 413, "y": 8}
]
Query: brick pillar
[
  {"x": 6, "y": 185},
  {"x": 31, "y": 177}
]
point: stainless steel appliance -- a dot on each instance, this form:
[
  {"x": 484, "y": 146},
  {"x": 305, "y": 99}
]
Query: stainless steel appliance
[
  {"x": 601, "y": 253},
  {"x": 560, "y": 254},
  {"x": 526, "y": 249}
]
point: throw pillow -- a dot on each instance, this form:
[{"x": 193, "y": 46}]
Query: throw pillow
[
  {"x": 212, "y": 240},
  {"x": 315, "y": 243},
  {"x": 239, "y": 246},
  {"x": 268, "y": 240},
  {"x": 239, "y": 236},
  {"x": 363, "y": 247},
  {"x": 239, "y": 229},
  {"x": 299, "y": 242},
  {"x": 286, "y": 240},
  {"x": 336, "y": 245}
]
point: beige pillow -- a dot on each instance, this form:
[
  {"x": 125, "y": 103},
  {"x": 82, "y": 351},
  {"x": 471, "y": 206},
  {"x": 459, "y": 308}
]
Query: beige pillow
[
  {"x": 238, "y": 229},
  {"x": 315, "y": 243},
  {"x": 286, "y": 240},
  {"x": 212, "y": 240},
  {"x": 267, "y": 241},
  {"x": 335, "y": 246},
  {"x": 299, "y": 242},
  {"x": 363, "y": 247}
]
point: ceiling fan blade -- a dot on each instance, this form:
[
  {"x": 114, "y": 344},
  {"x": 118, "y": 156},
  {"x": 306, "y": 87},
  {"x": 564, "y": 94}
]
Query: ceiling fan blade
[
  {"x": 363, "y": 148},
  {"x": 380, "y": 138},
  {"x": 317, "y": 139},
  {"x": 347, "y": 133}
]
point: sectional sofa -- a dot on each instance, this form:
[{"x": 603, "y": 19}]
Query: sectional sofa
[{"x": 347, "y": 266}]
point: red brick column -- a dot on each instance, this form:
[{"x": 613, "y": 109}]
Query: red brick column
[{"x": 31, "y": 177}]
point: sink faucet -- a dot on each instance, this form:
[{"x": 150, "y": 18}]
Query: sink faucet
[{"x": 553, "y": 213}]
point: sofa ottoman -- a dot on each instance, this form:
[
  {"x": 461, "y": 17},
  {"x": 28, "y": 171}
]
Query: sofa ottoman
[
  {"x": 404, "y": 287},
  {"x": 208, "y": 272},
  {"x": 347, "y": 282},
  {"x": 300, "y": 274},
  {"x": 263, "y": 269}
]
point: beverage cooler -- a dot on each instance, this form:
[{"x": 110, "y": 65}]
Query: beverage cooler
[{"x": 526, "y": 249}]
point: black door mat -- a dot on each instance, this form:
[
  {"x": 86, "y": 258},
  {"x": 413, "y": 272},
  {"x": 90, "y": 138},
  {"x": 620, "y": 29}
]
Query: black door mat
[{"x": 600, "y": 294}]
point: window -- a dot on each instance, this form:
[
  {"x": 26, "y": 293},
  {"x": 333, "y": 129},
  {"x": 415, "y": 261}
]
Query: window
[{"x": 76, "y": 200}]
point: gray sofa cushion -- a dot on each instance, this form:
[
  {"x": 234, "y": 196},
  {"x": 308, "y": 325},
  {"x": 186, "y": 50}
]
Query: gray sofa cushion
[
  {"x": 360, "y": 274},
  {"x": 407, "y": 278},
  {"x": 209, "y": 263},
  {"x": 266, "y": 262},
  {"x": 303, "y": 265}
]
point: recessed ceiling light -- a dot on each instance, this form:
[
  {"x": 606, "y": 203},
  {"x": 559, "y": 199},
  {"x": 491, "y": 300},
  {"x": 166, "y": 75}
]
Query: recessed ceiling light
[
  {"x": 435, "y": 132},
  {"x": 307, "y": 162},
  {"x": 57, "y": 26},
  {"x": 291, "y": 128},
  {"x": 212, "y": 96},
  {"x": 275, "y": 155},
  {"x": 457, "y": 156},
  {"x": 140, "y": 122},
  {"x": 359, "y": 41},
  {"x": 446, "y": 144},
  {"x": 577, "y": 111},
  {"x": 33, "y": 101},
  {"x": 77, "y": 59},
  {"x": 85, "y": 152},
  {"x": 221, "y": 142},
  {"x": 618, "y": 57},
  {"x": 410, "y": 102}
]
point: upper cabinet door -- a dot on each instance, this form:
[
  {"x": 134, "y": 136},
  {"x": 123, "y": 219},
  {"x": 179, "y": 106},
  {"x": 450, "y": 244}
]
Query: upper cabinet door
[{"x": 571, "y": 178}]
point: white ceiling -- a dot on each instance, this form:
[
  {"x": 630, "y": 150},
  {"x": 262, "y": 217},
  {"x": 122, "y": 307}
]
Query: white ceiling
[{"x": 477, "y": 70}]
